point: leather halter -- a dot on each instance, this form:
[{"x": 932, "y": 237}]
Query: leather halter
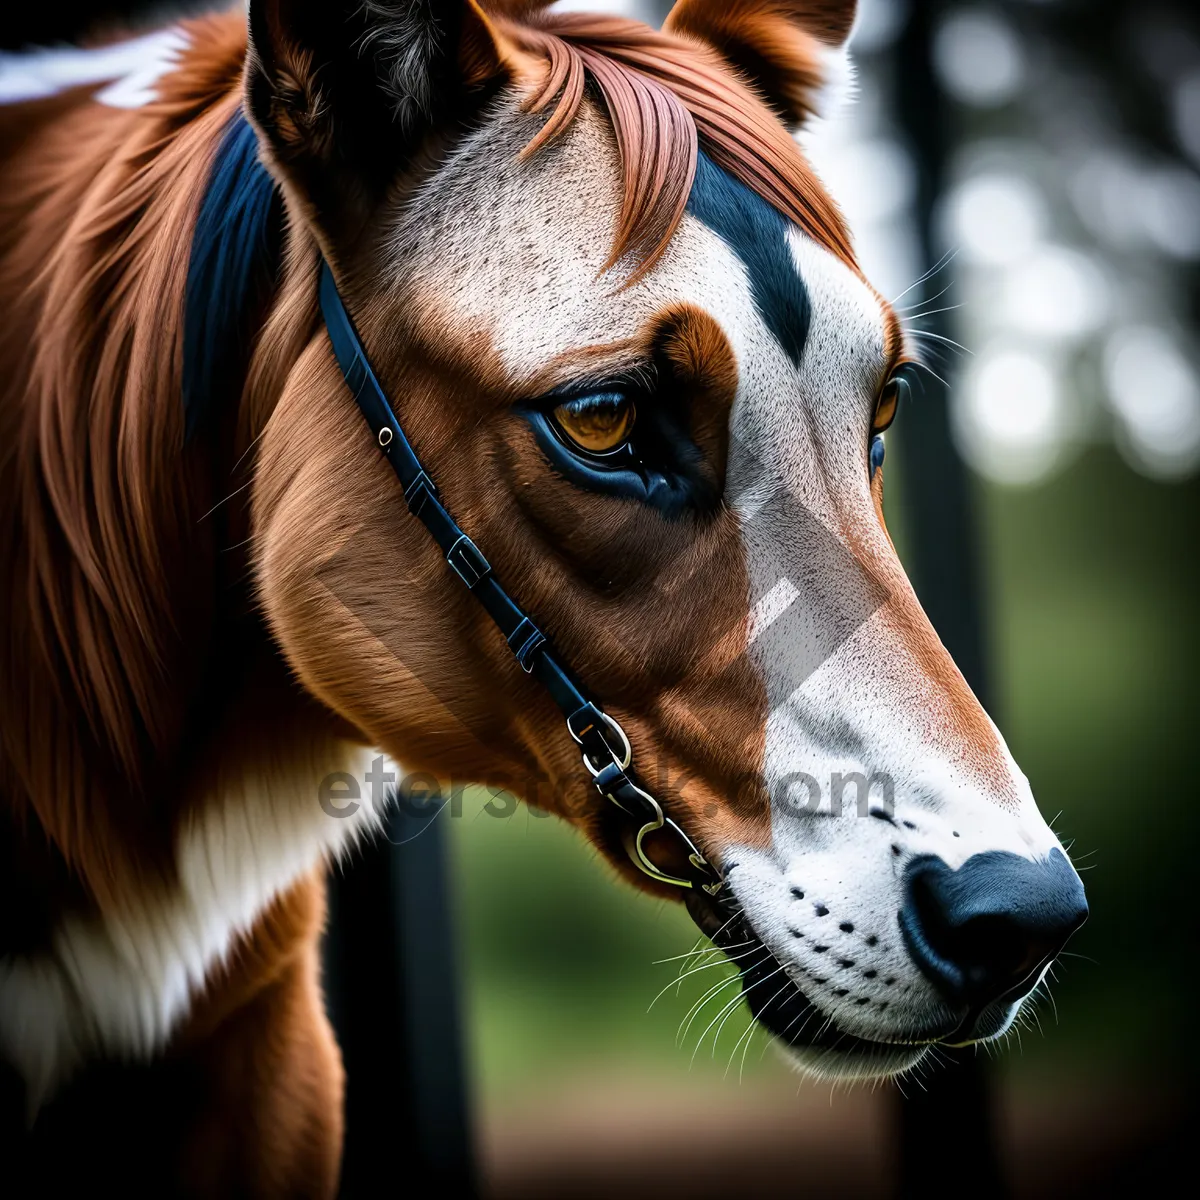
[{"x": 607, "y": 754}]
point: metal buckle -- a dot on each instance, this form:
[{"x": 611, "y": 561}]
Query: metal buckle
[
  {"x": 467, "y": 561},
  {"x": 698, "y": 861},
  {"x": 622, "y": 760},
  {"x": 627, "y": 753},
  {"x": 658, "y": 821}
]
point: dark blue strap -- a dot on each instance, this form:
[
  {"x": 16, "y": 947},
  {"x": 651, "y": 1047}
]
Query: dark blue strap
[{"x": 528, "y": 644}]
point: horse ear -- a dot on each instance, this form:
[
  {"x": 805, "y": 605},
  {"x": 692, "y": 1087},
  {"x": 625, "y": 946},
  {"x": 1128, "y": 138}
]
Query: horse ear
[
  {"x": 792, "y": 51},
  {"x": 344, "y": 91}
]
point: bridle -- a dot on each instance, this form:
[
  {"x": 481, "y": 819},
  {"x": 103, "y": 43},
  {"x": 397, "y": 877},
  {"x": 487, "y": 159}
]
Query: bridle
[{"x": 607, "y": 754}]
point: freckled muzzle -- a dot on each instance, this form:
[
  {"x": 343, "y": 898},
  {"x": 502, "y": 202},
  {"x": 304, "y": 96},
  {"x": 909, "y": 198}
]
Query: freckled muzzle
[
  {"x": 779, "y": 1004},
  {"x": 982, "y": 935}
]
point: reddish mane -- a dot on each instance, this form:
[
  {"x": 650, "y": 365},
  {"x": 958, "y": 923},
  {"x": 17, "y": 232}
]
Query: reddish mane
[
  {"x": 107, "y": 569},
  {"x": 664, "y": 94}
]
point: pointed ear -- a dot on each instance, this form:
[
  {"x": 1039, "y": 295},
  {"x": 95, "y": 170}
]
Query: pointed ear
[
  {"x": 792, "y": 51},
  {"x": 345, "y": 91}
]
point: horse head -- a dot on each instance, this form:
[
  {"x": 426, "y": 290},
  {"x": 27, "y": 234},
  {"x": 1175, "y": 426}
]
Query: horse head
[{"x": 624, "y": 327}]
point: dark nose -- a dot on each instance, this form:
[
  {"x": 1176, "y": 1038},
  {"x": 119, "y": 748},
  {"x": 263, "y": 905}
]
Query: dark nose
[{"x": 984, "y": 932}]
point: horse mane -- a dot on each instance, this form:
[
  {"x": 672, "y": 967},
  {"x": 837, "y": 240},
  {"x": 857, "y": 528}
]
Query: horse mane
[
  {"x": 108, "y": 573},
  {"x": 667, "y": 96},
  {"x": 233, "y": 265}
]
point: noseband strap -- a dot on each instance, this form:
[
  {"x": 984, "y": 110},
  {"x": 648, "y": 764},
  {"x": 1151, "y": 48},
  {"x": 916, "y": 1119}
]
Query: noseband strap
[{"x": 607, "y": 754}]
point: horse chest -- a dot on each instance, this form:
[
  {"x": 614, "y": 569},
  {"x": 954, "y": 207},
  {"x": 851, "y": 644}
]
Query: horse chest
[{"x": 118, "y": 984}]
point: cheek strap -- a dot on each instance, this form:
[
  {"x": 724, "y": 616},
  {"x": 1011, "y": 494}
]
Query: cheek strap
[{"x": 607, "y": 754}]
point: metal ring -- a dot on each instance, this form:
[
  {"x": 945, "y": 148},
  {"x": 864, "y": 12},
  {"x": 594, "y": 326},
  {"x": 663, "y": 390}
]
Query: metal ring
[
  {"x": 385, "y": 436},
  {"x": 637, "y": 853},
  {"x": 627, "y": 755}
]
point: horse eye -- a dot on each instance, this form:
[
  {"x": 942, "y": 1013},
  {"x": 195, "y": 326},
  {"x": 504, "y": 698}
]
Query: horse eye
[
  {"x": 599, "y": 423},
  {"x": 888, "y": 403}
]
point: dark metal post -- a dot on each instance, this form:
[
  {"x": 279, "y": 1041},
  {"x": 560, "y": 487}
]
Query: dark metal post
[
  {"x": 947, "y": 1117},
  {"x": 392, "y": 983}
]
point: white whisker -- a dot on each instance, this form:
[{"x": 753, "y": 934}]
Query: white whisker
[
  {"x": 729, "y": 1006},
  {"x": 924, "y": 300},
  {"x": 937, "y": 266}
]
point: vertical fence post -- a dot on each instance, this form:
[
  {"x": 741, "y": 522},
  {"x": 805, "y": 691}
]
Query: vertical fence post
[
  {"x": 392, "y": 986},
  {"x": 946, "y": 1120}
]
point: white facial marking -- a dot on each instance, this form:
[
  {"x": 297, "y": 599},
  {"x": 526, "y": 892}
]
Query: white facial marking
[
  {"x": 130, "y": 69},
  {"x": 547, "y": 227},
  {"x": 849, "y": 704},
  {"x": 118, "y": 984}
]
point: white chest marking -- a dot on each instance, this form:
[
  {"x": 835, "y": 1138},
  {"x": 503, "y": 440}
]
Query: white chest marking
[{"x": 119, "y": 984}]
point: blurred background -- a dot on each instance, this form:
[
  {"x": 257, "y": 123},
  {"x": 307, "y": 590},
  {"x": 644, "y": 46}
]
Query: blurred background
[{"x": 1044, "y": 157}]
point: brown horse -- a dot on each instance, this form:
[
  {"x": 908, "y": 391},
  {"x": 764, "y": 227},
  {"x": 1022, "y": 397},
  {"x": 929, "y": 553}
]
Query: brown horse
[{"x": 623, "y": 327}]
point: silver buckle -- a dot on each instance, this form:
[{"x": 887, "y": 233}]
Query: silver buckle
[{"x": 626, "y": 749}]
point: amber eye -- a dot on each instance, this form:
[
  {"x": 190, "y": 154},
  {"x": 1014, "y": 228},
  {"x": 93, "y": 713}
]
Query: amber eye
[
  {"x": 599, "y": 424},
  {"x": 888, "y": 403}
]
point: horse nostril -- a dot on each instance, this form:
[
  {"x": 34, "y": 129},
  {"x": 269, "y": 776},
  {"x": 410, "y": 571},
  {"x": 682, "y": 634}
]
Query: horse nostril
[{"x": 985, "y": 931}]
